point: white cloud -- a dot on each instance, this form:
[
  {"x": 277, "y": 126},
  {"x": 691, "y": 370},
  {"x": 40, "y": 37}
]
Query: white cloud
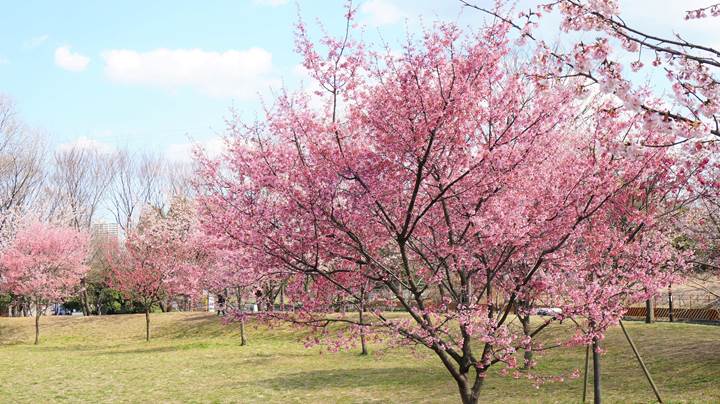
[
  {"x": 86, "y": 143},
  {"x": 71, "y": 61},
  {"x": 3, "y": 61},
  {"x": 271, "y": 3},
  {"x": 35, "y": 41},
  {"x": 183, "y": 152},
  {"x": 231, "y": 73},
  {"x": 382, "y": 12}
]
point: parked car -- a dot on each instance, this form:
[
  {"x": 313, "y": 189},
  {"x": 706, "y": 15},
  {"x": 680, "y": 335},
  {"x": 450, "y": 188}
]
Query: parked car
[
  {"x": 548, "y": 311},
  {"x": 62, "y": 311}
]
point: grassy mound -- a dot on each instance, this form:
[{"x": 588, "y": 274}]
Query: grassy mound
[{"x": 194, "y": 358}]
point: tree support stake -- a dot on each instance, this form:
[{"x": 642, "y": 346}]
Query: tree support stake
[
  {"x": 587, "y": 367},
  {"x": 642, "y": 364}
]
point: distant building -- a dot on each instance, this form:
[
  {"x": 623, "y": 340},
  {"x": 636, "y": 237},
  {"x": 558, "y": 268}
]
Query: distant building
[{"x": 104, "y": 232}]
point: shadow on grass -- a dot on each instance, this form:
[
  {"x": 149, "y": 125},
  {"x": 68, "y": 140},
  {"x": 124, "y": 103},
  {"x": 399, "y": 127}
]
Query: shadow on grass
[
  {"x": 13, "y": 335},
  {"x": 347, "y": 378},
  {"x": 192, "y": 326},
  {"x": 204, "y": 317},
  {"x": 210, "y": 326},
  {"x": 146, "y": 350},
  {"x": 65, "y": 348},
  {"x": 260, "y": 358}
]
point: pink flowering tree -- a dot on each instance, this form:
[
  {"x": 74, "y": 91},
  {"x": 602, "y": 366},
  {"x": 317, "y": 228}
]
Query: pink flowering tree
[
  {"x": 160, "y": 259},
  {"x": 227, "y": 275},
  {"x": 621, "y": 51},
  {"x": 683, "y": 97},
  {"x": 452, "y": 185},
  {"x": 45, "y": 263}
]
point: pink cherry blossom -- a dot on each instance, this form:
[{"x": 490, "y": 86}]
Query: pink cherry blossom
[
  {"x": 452, "y": 181},
  {"x": 44, "y": 262}
]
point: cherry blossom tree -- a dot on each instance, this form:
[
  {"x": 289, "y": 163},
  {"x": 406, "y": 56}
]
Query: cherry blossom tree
[
  {"x": 226, "y": 275},
  {"x": 44, "y": 262},
  {"x": 621, "y": 50},
  {"x": 459, "y": 179},
  {"x": 159, "y": 259},
  {"x": 682, "y": 98}
]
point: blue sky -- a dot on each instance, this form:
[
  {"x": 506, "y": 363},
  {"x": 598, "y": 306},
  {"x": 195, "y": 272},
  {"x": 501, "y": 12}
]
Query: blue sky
[
  {"x": 156, "y": 74},
  {"x": 58, "y": 64}
]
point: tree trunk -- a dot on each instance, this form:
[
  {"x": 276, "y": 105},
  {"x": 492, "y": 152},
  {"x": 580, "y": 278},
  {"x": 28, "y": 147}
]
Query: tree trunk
[
  {"x": 469, "y": 394},
  {"x": 243, "y": 341},
  {"x": 528, "y": 354},
  {"x": 84, "y": 300},
  {"x": 363, "y": 346},
  {"x": 37, "y": 323},
  {"x": 469, "y": 390},
  {"x": 147, "y": 323},
  {"x": 649, "y": 311},
  {"x": 670, "y": 303},
  {"x": 238, "y": 297},
  {"x": 597, "y": 392}
]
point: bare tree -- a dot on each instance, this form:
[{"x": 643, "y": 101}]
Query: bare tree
[
  {"x": 79, "y": 183},
  {"x": 139, "y": 182},
  {"x": 22, "y": 157},
  {"x": 179, "y": 176}
]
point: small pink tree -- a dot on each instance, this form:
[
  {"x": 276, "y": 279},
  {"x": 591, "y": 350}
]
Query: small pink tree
[
  {"x": 160, "y": 259},
  {"x": 226, "y": 274},
  {"x": 45, "y": 263}
]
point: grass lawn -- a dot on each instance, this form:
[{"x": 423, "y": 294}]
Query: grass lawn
[{"x": 194, "y": 358}]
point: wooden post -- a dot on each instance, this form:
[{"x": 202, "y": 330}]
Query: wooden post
[
  {"x": 238, "y": 295},
  {"x": 642, "y": 364},
  {"x": 587, "y": 368}
]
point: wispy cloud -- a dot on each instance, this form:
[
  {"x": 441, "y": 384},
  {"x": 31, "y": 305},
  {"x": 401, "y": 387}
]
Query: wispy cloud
[
  {"x": 86, "y": 143},
  {"x": 72, "y": 61},
  {"x": 3, "y": 61},
  {"x": 36, "y": 42},
  {"x": 382, "y": 12},
  {"x": 183, "y": 152},
  {"x": 233, "y": 73}
]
